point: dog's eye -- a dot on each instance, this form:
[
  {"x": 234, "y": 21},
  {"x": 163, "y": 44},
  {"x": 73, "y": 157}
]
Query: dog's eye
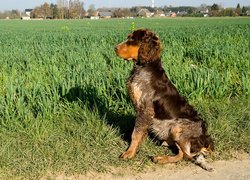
[{"x": 131, "y": 39}]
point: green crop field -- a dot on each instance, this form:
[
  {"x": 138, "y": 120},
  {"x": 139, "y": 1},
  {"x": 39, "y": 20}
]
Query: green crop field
[{"x": 64, "y": 107}]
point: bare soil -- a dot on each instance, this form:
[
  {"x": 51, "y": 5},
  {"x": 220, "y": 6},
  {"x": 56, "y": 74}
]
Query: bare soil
[{"x": 237, "y": 169}]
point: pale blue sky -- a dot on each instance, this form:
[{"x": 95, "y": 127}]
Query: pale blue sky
[{"x": 25, "y": 4}]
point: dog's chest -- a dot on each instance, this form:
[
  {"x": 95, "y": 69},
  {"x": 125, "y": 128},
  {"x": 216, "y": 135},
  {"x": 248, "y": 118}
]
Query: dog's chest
[{"x": 139, "y": 88}]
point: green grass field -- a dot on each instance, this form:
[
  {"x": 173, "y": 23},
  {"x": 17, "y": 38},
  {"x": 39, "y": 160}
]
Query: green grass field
[{"x": 64, "y": 107}]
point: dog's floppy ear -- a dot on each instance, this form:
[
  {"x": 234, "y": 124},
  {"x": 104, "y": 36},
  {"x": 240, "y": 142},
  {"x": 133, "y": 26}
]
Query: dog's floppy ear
[{"x": 150, "y": 48}]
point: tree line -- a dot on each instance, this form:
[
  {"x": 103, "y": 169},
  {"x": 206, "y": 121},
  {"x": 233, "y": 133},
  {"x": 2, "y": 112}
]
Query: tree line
[
  {"x": 216, "y": 10},
  {"x": 63, "y": 9},
  {"x": 74, "y": 9}
]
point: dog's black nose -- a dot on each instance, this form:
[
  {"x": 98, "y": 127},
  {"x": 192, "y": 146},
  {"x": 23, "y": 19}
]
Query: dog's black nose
[{"x": 116, "y": 48}]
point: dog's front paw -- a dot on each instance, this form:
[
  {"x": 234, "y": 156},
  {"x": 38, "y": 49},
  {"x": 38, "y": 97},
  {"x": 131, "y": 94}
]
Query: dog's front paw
[
  {"x": 206, "y": 167},
  {"x": 160, "y": 159},
  {"x": 127, "y": 155},
  {"x": 154, "y": 159},
  {"x": 210, "y": 169}
]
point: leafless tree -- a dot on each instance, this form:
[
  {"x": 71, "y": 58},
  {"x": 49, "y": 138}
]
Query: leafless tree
[{"x": 76, "y": 9}]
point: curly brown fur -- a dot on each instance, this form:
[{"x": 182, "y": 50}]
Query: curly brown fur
[{"x": 159, "y": 106}]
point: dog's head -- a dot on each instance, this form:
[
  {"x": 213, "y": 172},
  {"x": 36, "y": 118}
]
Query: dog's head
[
  {"x": 202, "y": 144},
  {"x": 208, "y": 144},
  {"x": 141, "y": 46}
]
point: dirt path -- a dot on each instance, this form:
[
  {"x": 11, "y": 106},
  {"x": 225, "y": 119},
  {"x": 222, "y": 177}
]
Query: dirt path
[{"x": 224, "y": 170}]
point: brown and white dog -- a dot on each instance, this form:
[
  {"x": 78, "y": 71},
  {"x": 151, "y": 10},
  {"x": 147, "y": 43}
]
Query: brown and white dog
[{"x": 159, "y": 106}]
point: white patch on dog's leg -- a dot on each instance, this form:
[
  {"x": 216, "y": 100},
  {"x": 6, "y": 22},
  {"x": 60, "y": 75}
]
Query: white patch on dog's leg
[
  {"x": 200, "y": 160},
  {"x": 188, "y": 146},
  {"x": 164, "y": 143}
]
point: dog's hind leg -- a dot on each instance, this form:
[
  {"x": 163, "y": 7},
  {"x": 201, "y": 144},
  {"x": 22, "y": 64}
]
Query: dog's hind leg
[{"x": 168, "y": 159}]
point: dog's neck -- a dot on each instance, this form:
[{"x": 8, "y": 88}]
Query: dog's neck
[{"x": 148, "y": 63}]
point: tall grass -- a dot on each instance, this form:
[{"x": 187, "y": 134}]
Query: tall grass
[{"x": 63, "y": 100}]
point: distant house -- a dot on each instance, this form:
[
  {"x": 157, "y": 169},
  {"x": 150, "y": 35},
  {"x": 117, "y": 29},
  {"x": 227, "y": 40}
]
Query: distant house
[
  {"x": 105, "y": 15},
  {"x": 28, "y": 11},
  {"x": 159, "y": 13},
  {"x": 181, "y": 13},
  {"x": 248, "y": 12},
  {"x": 144, "y": 13},
  {"x": 94, "y": 15},
  {"x": 26, "y": 16},
  {"x": 204, "y": 11},
  {"x": 168, "y": 14},
  {"x": 171, "y": 14}
]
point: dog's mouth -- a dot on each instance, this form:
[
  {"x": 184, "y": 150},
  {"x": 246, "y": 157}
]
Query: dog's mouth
[
  {"x": 126, "y": 53},
  {"x": 130, "y": 59},
  {"x": 116, "y": 50}
]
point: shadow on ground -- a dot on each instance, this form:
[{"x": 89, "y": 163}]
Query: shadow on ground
[{"x": 90, "y": 98}]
